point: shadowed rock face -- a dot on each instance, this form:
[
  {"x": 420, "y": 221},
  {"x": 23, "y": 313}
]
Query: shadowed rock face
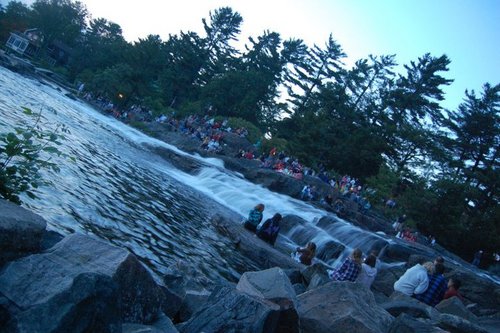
[
  {"x": 91, "y": 303},
  {"x": 21, "y": 232},
  {"x": 228, "y": 310},
  {"x": 39, "y": 278},
  {"x": 273, "y": 285},
  {"x": 341, "y": 307}
]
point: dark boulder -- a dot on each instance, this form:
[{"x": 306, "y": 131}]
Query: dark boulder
[
  {"x": 310, "y": 271},
  {"x": 274, "y": 286},
  {"x": 330, "y": 250},
  {"x": 162, "y": 325},
  {"x": 193, "y": 301},
  {"x": 459, "y": 325},
  {"x": 341, "y": 307},
  {"x": 317, "y": 280},
  {"x": 228, "y": 310},
  {"x": 384, "y": 281},
  {"x": 401, "y": 250},
  {"x": 455, "y": 307},
  {"x": 400, "y": 303},
  {"x": 91, "y": 303},
  {"x": 299, "y": 288},
  {"x": 49, "y": 239},
  {"x": 408, "y": 324},
  {"x": 21, "y": 232},
  {"x": 291, "y": 222},
  {"x": 181, "y": 280},
  {"x": 293, "y": 275},
  {"x": 38, "y": 278}
]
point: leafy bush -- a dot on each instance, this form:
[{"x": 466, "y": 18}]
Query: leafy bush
[
  {"x": 279, "y": 143},
  {"x": 254, "y": 134},
  {"x": 23, "y": 154}
]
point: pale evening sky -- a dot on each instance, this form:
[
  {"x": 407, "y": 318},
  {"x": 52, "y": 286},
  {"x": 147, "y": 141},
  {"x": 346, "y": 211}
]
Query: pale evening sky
[{"x": 467, "y": 31}]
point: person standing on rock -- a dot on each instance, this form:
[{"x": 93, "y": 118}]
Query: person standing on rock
[
  {"x": 254, "y": 218},
  {"x": 270, "y": 229},
  {"x": 415, "y": 280},
  {"x": 477, "y": 258},
  {"x": 350, "y": 268}
]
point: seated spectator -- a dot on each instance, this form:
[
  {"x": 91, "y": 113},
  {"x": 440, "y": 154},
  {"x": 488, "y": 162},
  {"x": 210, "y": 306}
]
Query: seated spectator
[
  {"x": 453, "y": 286},
  {"x": 270, "y": 229},
  {"x": 368, "y": 271},
  {"x": 328, "y": 199},
  {"x": 350, "y": 268},
  {"x": 249, "y": 155},
  {"x": 415, "y": 280},
  {"x": 254, "y": 218},
  {"x": 436, "y": 289},
  {"x": 305, "y": 255}
]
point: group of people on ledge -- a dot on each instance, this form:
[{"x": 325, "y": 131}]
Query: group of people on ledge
[
  {"x": 355, "y": 269},
  {"x": 269, "y": 230},
  {"x": 425, "y": 282}
]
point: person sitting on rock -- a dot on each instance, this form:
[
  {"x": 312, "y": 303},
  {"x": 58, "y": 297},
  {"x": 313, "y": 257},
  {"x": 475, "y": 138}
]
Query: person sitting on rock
[
  {"x": 415, "y": 280},
  {"x": 305, "y": 255},
  {"x": 254, "y": 218},
  {"x": 350, "y": 268},
  {"x": 436, "y": 289},
  {"x": 368, "y": 271},
  {"x": 453, "y": 286},
  {"x": 270, "y": 229}
]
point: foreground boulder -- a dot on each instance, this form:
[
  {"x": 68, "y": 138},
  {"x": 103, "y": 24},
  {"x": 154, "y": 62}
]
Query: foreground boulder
[
  {"x": 455, "y": 307},
  {"x": 228, "y": 310},
  {"x": 41, "y": 278},
  {"x": 273, "y": 285},
  {"x": 90, "y": 304},
  {"x": 341, "y": 307},
  {"x": 408, "y": 324},
  {"x": 21, "y": 232}
]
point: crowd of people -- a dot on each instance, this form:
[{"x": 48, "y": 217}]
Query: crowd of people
[{"x": 424, "y": 281}]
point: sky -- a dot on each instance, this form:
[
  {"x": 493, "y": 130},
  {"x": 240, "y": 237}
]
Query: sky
[{"x": 467, "y": 31}]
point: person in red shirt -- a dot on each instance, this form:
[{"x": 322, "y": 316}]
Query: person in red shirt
[{"x": 453, "y": 285}]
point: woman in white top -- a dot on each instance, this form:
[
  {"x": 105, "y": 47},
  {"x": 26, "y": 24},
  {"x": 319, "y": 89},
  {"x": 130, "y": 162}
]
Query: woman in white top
[
  {"x": 415, "y": 280},
  {"x": 368, "y": 271}
]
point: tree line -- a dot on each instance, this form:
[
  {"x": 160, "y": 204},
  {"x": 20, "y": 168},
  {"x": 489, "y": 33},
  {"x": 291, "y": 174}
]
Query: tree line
[{"x": 371, "y": 120}]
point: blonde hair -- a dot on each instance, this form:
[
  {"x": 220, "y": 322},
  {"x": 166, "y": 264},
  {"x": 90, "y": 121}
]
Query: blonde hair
[
  {"x": 357, "y": 255},
  {"x": 429, "y": 266}
]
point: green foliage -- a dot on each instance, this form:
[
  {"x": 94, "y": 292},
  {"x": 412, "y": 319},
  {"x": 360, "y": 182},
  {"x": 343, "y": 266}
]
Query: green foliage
[
  {"x": 24, "y": 152},
  {"x": 190, "y": 108},
  {"x": 279, "y": 143},
  {"x": 254, "y": 134}
]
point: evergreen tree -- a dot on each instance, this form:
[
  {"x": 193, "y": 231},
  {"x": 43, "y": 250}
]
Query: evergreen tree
[{"x": 62, "y": 20}]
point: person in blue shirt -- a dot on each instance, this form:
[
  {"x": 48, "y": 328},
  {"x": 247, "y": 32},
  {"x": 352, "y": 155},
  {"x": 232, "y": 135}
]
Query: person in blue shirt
[
  {"x": 436, "y": 289},
  {"x": 270, "y": 229},
  {"x": 254, "y": 218}
]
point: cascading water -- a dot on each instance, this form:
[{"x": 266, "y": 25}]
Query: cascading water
[{"x": 120, "y": 190}]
